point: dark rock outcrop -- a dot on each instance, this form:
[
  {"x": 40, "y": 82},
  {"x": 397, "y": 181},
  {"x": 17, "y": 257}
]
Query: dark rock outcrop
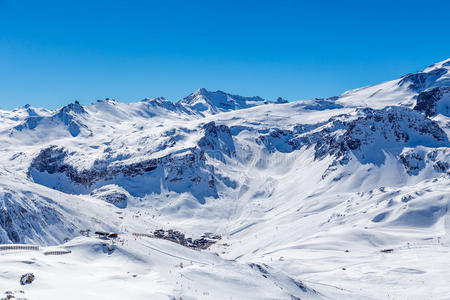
[
  {"x": 414, "y": 160},
  {"x": 217, "y": 141},
  {"x": 69, "y": 115},
  {"x": 428, "y": 100},
  {"x": 180, "y": 171},
  {"x": 367, "y": 137},
  {"x": 23, "y": 217},
  {"x": 422, "y": 80},
  {"x": 112, "y": 194}
]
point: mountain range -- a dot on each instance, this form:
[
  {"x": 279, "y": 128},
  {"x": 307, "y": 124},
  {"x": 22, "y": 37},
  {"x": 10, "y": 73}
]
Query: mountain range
[{"x": 343, "y": 197}]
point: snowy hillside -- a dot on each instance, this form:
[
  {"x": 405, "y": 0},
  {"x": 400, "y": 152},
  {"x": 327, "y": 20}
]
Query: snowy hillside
[
  {"x": 402, "y": 91},
  {"x": 219, "y": 196}
]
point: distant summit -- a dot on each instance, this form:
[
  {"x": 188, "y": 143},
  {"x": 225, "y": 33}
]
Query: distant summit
[{"x": 208, "y": 102}]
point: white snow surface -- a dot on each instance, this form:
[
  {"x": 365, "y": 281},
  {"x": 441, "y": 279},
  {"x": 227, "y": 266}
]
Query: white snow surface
[
  {"x": 338, "y": 198},
  {"x": 401, "y": 91}
]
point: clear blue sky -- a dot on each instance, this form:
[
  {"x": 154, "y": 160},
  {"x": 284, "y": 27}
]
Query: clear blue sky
[{"x": 54, "y": 52}]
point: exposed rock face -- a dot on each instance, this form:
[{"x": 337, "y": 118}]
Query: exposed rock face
[
  {"x": 419, "y": 81},
  {"x": 21, "y": 218},
  {"x": 29, "y": 123},
  {"x": 27, "y": 278},
  {"x": 181, "y": 171},
  {"x": 155, "y": 106},
  {"x": 178, "y": 171},
  {"x": 160, "y": 102},
  {"x": 8, "y": 226},
  {"x": 52, "y": 160},
  {"x": 203, "y": 101},
  {"x": 367, "y": 137},
  {"x": 433, "y": 101},
  {"x": 69, "y": 115},
  {"x": 217, "y": 141},
  {"x": 414, "y": 160},
  {"x": 113, "y": 194},
  {"x": 280, "y": 101}
]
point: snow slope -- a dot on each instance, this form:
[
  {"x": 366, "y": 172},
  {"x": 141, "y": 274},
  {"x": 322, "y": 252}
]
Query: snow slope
[
  {"x": 345, "y": 197},
  {"x": 402, "y": 91}
]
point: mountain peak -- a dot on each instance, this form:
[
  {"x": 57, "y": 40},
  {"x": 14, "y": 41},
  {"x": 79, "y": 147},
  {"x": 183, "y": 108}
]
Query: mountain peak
[
  {"x": 200, "y": 91},
  {"x": 209, "y": 102},
  {"x": 75, "y": 107}
]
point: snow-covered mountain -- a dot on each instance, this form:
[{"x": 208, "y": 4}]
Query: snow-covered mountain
[
  {"x": 345, "y": 197},
  {"x": 206, "y": 102},
  {"x": 402, "y": 91}
]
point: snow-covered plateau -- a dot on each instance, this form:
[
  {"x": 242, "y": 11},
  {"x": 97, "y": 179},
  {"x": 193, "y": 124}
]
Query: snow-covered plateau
[{"x": 219, "y": 196}]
